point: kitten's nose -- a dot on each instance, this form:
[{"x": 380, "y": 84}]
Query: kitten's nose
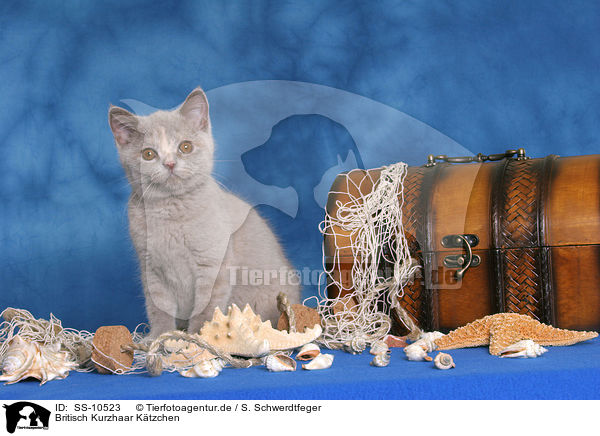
[{"x": 169, "y": 164}]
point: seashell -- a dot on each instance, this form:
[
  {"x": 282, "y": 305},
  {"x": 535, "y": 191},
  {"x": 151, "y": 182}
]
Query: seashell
[
  {"x": 428, "y": 339},
  {"x": 308, "y": 352},
  {"x": 243, "y": 333},
  {"x": 322, "y": 361},
  {"x": 524, "y": 348},
  {"x": 379, "y": 347},
  {"x": 417, "y": 352},
  {"x": 381, "y": 359},
  {"x": 205, "y": 369},
  {"x": 444, "y": 361},
  {"x": 280, "y": 362},
  {"x": 25, "y": 359},
  {"x": 395, "y": 341},
  {"x": 358, "y": 344}
]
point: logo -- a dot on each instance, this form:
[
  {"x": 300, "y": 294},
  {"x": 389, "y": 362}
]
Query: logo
[{"x": 26, "y": 415}]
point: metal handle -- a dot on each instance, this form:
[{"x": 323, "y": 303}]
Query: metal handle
[
  {"x": 479, "y": 157},
  {"x": 461, "y": 272}
]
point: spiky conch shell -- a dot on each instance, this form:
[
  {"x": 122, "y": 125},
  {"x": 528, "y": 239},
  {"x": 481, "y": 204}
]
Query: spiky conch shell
[
  {"x": 24, "y": 359},
  {"x": 243, "y": 333}
]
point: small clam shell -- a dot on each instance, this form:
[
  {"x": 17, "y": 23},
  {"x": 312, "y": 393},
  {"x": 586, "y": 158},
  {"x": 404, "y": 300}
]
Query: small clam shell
[
  {"x": 379, "y": 347},
  {"x": 524, "y": 348},
  {"x": 204, "y": 369},
  {"x": 322, "y": 361},
  {"x": 308, "y": 352},
  {"x": 280, "y": 362},
  {"x": 382, "y": 359},
  {"x": 443, "y": 361}
]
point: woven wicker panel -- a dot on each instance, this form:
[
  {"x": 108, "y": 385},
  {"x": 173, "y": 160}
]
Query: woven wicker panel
[
  {"x": 522, "y": 282},
  {"x": 519, "y": 218},
  {"x": 519, "y": 232},
  {"x": 412, "y": 214}
]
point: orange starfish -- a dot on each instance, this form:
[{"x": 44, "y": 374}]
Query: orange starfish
[{"x": 504, "y": 329}]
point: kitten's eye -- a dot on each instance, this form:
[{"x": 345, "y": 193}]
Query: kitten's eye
[
  {"x": 185, "y": 147},
  {"x": 148, "y": 154}
]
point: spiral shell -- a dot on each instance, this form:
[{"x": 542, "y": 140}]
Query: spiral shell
[
  {"x": 443, "y": 361},
  {"x": 381, "y": 359},
  {"x": 322, "y": 361},
  {"x": 355, "y": 346},
  {"x": 379, "y": 347},
  {"x": 280, "y": 362},
  {"x": 25, "y": 359}
]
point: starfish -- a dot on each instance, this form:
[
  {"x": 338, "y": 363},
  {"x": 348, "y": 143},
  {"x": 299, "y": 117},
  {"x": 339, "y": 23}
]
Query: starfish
[{"x": 502, "y": 330}]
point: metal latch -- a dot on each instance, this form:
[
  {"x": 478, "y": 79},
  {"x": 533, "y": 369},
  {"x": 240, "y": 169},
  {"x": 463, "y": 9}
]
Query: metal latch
[
  {"x": 459, "y": 261},
  {"x": 457, "y": 241},
  {"x": 464, "y": 262}
]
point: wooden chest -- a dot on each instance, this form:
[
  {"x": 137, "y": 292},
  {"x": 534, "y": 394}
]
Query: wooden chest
[{"x": 500, "y": 233}]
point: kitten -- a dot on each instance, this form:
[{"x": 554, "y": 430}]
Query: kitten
[{"x": 199, "y": 246}]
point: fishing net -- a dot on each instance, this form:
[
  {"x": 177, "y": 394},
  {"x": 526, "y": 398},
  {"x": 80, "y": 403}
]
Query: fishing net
[
  {"x": 170, "y": 352},
  {"x": 371, "y": 225}
]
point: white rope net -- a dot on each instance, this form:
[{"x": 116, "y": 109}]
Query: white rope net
[
  {"x": 172, "y": 351},
  {"x": 77, "y": 343},
  {"x": 372, "y": 229}
]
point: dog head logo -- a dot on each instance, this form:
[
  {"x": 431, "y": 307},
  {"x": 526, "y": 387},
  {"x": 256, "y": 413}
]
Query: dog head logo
[{"x": 26, "y": 415}]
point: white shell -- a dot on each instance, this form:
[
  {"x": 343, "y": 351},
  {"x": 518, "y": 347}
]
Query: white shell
[
  {"x": 25, "y": 359},
  {"x": 428, "y": 339},
  {"x": 379, "y": 347},
  {"x": 322, "y": 361},
  {"x": 205, "y": 369},
  {"x": 382, "y": 359},
  {"x": 443, "y": 361},
  {"x": 280, "y": 362},
  {"x": 524, "y": 348},
  {"x": 358, "y": 344},
  {"x": 308, "y": 352},
  {"x": 243, "y": 333},
  {"x": 417, "y": 352}
]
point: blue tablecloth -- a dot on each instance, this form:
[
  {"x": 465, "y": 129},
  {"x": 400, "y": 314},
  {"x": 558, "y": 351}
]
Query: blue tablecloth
[{"x": 562, "y": 373}]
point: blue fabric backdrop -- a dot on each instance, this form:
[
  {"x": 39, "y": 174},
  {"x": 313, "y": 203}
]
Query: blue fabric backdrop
[{"x": 299, "y": 91}]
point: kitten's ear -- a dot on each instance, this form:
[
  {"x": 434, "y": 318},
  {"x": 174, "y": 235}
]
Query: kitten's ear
[
  {"x": 123, "y": 125},
  {"x": 195, "y": 109}
]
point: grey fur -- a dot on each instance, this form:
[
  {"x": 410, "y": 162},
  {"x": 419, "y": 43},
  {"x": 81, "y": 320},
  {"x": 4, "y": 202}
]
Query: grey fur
[{"x": 191, "y": 235}]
